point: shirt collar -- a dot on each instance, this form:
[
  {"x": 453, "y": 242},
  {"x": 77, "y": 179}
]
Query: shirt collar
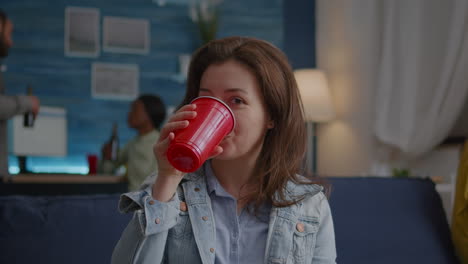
[
  {"x": 292, "y": 190},
  {"x": 212, "y": 183}
]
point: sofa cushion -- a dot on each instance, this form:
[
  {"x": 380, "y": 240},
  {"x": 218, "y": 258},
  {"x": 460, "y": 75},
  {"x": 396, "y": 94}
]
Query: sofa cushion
[
  {"x": 377, "y": 220},
  {"x": 59, "y": 229},
  {"x": 388, "y": 220}
]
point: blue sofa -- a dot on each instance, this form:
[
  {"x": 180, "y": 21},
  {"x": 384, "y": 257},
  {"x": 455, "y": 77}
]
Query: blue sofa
[
  {"x": 377, "y": 220},
  {"x": 388, "y": 220}
]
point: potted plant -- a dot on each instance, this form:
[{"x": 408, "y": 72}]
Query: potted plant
[{"x": 205, "y": 14}]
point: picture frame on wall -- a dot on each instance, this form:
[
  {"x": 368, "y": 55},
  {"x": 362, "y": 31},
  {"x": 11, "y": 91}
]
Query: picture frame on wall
[
  {"x": 114, "y": 81},
  {"x": 82, "y": 32},
  {"x": 126, "y": 35}
]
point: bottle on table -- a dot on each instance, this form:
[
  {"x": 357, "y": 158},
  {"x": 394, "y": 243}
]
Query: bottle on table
[
  {"x": 114, "y": 143},
  {"x": 28, "y": 117}
]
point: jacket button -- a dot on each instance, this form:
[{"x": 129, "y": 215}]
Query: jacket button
[
  {"x": 157, "y": 221},
  {"x": 183, "y": 206},
  {"x": 300, "y": 227},
  {"x": 205, "y": 218},
  {"x": 197, "y": 189},
  {"x": 211, "y": 250},
  {"x": 151, "y": 202}
]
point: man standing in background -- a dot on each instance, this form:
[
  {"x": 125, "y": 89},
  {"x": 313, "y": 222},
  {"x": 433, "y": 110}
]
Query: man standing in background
[{"x": 9, "y": 105}]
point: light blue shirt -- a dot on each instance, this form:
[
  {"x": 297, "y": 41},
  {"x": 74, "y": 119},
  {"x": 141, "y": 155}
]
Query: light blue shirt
[{"x": 240, "y": 238}]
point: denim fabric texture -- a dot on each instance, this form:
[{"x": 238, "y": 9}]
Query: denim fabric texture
[{"x": 163, "y": 233}]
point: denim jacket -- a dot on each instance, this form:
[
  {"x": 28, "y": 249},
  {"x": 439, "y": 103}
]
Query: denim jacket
[{"x": 182, "y": 231}]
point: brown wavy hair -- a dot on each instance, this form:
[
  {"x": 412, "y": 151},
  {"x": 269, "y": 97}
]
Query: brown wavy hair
[{"x": 283, "y": 150}]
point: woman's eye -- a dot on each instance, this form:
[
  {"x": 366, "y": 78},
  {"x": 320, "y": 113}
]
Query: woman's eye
[{"x": 237, "y": 101}]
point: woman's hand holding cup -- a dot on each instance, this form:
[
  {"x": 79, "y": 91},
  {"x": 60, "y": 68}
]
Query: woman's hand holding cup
[
  {"x": 168, "y": 177},
  {"x": 200, "y": 127}
]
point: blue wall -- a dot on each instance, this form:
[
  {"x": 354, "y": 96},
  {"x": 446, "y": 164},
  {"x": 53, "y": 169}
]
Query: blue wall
[
  {"x": 299, "y": 33},
  {"x": 38, "y": 58}
]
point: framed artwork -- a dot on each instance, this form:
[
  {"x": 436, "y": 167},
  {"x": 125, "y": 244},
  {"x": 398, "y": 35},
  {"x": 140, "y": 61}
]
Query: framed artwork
[
  {"x": 114, "y": 81},
  {"x": 126, "y": 35},
  {"x": 81, "y": 32}
]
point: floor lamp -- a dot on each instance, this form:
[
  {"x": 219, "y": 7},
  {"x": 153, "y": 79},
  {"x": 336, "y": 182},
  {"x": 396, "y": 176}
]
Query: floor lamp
[{"x": 318, "y": 107}]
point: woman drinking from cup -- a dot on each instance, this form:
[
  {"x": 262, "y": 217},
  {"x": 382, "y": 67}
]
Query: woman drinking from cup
[{"x": 248, "y": 203}]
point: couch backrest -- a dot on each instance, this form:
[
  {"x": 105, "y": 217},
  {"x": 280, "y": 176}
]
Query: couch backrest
[
  {"x": 377, "y": 220},
  {"x": 59, "y": 229},
  {"x": 388, "y": 220}
]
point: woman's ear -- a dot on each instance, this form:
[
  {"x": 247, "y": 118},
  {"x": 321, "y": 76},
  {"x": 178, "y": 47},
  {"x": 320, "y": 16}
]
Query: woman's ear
[{"x": 271, "y": 124}]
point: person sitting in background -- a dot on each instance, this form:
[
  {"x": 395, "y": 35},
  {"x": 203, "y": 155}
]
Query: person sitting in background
[
  {"x": 10, "y": 105},
  {"x": 146, "y": 115}
]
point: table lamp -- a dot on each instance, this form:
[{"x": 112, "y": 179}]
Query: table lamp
[{"x": 318, "y": 107}]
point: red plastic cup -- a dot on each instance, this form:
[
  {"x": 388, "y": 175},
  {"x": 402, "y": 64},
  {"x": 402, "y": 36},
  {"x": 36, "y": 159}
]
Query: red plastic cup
[
  {"x": 192, "y": 146},
  {"x": 92, "y": 163}
]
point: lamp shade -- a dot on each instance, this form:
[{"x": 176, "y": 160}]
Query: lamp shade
[{"x": 315, "y": 95}]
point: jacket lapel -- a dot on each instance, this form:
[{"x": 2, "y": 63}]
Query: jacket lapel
[
  {"x": 201, "y": 216},
  {"x": 283, "y": 222}
]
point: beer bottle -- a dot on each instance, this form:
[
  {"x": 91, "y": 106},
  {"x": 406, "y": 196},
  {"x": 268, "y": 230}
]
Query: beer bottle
[{"x": 28, "y": 118}]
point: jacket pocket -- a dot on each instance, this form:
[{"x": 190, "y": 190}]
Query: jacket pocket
[{"x": 304, "y": 240}]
